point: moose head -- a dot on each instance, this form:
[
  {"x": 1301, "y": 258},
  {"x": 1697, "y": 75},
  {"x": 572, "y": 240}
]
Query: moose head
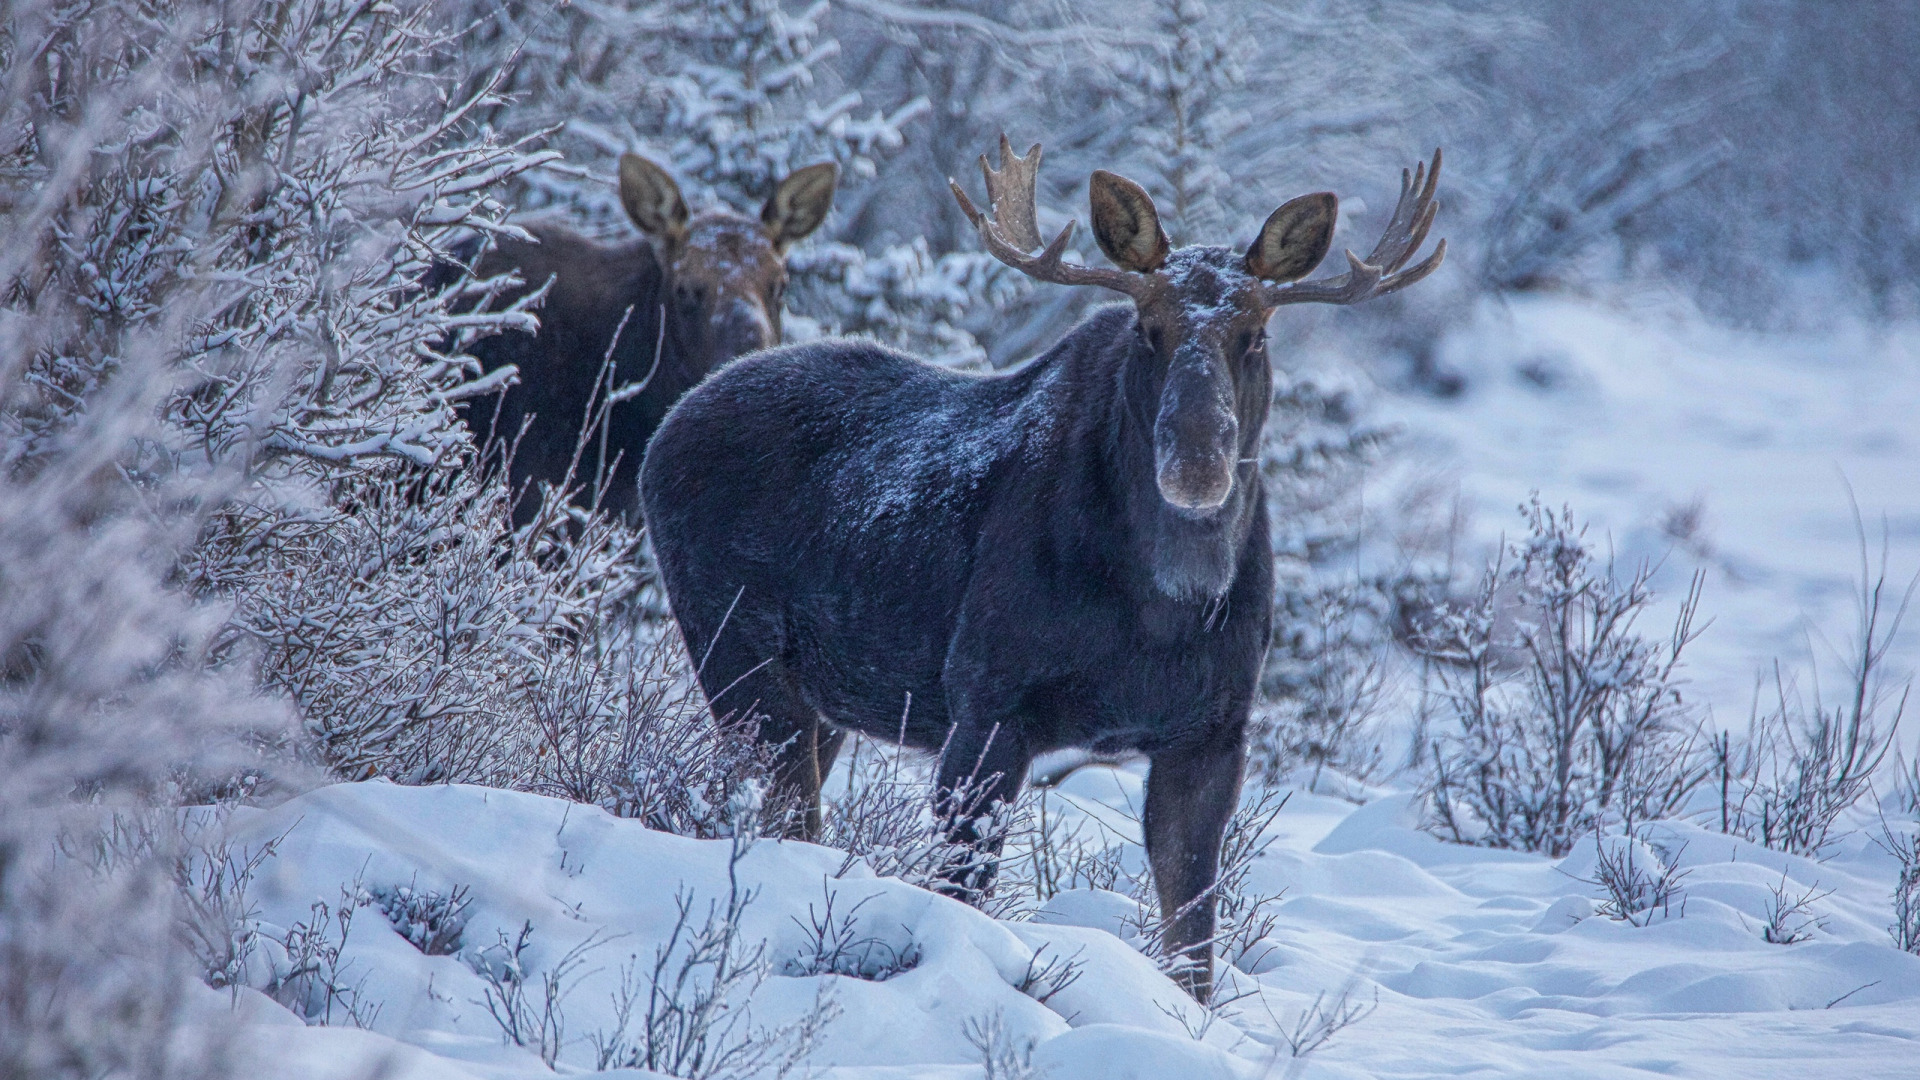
[
  {"x": 727, "y": 272},
  {"x": 1201, "y": 382}
]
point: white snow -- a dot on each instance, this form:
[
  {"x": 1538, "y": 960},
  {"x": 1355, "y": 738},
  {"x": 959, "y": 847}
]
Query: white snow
[
  {"x": 1484, "y": 963},
  {"x": 1648, "y": 407},
  {"x": 1481, "y": 963}
]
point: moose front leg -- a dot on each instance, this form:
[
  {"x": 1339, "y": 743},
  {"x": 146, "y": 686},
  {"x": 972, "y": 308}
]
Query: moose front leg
[
  {"x": 980, "y": 777},
  {"x": 1190, "y": 795}
]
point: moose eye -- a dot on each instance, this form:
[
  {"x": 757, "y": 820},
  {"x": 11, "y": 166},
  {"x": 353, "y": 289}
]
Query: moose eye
[{"x": 1253, "y": 341}]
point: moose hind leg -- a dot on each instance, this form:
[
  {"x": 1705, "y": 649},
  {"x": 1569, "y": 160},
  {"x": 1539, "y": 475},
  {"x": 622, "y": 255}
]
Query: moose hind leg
[
  {"x": 1191, "y": 794},
  {"x": 742, "y": 678},
  {"x": 803, "y": 757}
]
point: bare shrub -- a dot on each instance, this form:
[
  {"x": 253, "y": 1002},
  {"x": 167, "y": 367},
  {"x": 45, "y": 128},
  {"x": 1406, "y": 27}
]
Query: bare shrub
[
  {"x": 217, "y": 922},
  {"x": 834, "y": 945},
  {"x": 1906, "y": 785},
  {"x": 1557, "y": 714},
  {"x": 1319, "y": 1022},
  {"x": 1243, "y": 918},
  {"x": 1004, "y": 1055},
  {"x": 1324, "y": 682},
  {"x": 1790, "y": 916},
  {"x": 308, "y": 976},
  {"x": 1803, "y": 763},
  {"x": 690, "y": 1003},
  {"x": 1905, "y": 849},
  {"x": 1635, "y": 890},
  {"x": 887, "y": 819},
  {"x": 536, "y": 1023},
  {"x": 1048, "y": 975},
  {"x": 1051, "y": 857},
  {"x": 433, "y": 922}
]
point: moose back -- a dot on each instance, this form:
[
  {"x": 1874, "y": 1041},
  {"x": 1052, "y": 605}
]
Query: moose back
[{"x": 1071, "y": 554}]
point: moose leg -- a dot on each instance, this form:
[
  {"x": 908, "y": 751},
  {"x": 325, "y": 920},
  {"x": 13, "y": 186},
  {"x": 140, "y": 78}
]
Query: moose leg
[
  {"x": 804, "y": 755},
  {"x": 1191, "y": 792},
  {"x": 981, "y": 774},
  {"x": 740, "y": 681}
]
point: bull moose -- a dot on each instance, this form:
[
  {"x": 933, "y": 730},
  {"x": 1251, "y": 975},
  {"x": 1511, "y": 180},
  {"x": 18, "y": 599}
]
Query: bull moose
[
  {"x": 697, "y": 291},
  {"x": 1071, "y": 554}
]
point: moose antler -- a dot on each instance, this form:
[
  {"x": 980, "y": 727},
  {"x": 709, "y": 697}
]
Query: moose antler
[
  {"x": 1014, "y": 230},
  {"x": 1380, "y": 273}
]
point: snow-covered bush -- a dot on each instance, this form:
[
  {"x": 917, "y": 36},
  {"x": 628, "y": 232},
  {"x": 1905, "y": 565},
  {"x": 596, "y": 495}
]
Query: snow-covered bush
[
  {"x": 112, "y": 705},
  {"x": 836, "y": 945},
  {"x": 1556, "y": 714},
  {"x": 1638, "y": 885},
  {"x": 735, "y": 96},
  {"x": 1182, "y": 85},
  {"x": 1905, "y": 849},
  {"x": 433, "y": 922},
  {"x": 1804, "y": 764},
  {"x": 686, "y": 1015}
]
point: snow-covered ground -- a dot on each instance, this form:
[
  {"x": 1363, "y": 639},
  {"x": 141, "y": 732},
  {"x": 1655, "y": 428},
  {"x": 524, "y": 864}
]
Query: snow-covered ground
[
  {"x": 1481, "y": 963},
  {"x": 1463, "y": 961},
  {"x": 1633, "y": 410}
]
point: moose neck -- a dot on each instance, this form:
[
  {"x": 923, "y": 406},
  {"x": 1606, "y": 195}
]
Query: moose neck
[{"x": 1191, "y": 557}]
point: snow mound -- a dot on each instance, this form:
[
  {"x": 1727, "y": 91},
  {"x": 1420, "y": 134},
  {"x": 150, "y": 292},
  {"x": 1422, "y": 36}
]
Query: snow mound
[{"x": 1449, "y": 959}]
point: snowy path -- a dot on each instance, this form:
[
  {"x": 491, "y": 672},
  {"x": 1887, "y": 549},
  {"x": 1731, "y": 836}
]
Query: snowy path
[{"x": 1482, "y": 962}]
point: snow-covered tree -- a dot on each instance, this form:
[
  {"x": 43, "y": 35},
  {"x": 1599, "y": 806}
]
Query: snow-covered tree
[{"x": 1184, "y": 87}]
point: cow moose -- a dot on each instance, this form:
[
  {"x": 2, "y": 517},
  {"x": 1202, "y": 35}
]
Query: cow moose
[
  {"x": 697, "y": 291},
  {"x": 1071, "y": 554}
]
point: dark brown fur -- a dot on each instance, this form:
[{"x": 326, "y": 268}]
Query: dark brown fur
[{"x": 696, "y": 292}]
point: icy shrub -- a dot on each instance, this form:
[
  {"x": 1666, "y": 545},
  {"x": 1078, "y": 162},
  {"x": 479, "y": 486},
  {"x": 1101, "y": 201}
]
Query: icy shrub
[
  {"x": 1637, "y": 885},
  {"x": 1004, "y": 1055},
  {"x": 433, "y": 922},
  {"x": 1556, "y": 715},
  {"x": 1805, "y": 763},
  {"x": 686, "y": 1015},
  {"x": 835, "y": 946},
  {"x": 1790, "y": 916},
  {"x": 411, "y": 622},
  {"x": 307, "y": 974}
]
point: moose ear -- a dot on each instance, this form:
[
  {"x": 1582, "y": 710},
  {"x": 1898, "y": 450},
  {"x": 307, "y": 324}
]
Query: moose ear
[
  {"x": 1294, "y": 239},
  {"x": 652, "y": 198},
  {"x": 800, "y": 203},
  {"x": 1126, "y": 224}
]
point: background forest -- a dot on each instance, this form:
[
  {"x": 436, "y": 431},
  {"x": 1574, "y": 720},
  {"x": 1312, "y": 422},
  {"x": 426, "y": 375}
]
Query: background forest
[{"x": 244, "y": 552}]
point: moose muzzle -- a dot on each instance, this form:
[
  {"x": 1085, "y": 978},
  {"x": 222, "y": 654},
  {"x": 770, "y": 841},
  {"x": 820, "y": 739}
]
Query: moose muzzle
[{"x": 1196, "y": 439}]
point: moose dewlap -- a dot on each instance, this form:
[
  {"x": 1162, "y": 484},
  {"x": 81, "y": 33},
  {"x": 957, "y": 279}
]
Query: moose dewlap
[{"x": 1072, "y": 554}]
